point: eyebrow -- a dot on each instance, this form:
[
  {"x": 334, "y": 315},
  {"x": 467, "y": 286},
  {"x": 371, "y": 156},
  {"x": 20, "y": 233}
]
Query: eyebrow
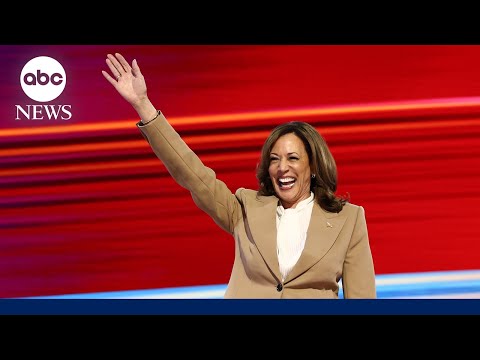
[{"x": 290, "y": 153}]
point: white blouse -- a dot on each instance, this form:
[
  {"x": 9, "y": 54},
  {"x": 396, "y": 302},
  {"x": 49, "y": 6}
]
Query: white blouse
[{"x": 292, "y": 226}]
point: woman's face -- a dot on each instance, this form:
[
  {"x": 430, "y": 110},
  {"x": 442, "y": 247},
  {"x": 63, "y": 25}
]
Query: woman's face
[{"x": 289, "y": 170}]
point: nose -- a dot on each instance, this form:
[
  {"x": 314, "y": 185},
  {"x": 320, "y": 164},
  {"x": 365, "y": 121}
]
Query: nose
[{"x": 283, "y": 165}]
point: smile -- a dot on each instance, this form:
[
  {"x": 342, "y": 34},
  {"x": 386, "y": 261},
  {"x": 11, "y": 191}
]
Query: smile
[{"x": 286, "y": 183}]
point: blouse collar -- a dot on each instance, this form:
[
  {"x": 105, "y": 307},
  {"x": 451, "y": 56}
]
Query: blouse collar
[{"x": 300, "y": 206}]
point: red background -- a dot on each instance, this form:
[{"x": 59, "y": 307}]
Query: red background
[{"x": 85, "y": 205}]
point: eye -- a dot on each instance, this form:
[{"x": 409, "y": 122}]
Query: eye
[
  {"x": 293, "y": 158},
  {"x": 272, "y": 159}
]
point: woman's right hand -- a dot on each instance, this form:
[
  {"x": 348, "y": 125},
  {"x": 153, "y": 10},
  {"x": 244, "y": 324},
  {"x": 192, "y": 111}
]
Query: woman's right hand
[
  {"x": 127, "y": 80},
  {"x": 130, "y": 83}
]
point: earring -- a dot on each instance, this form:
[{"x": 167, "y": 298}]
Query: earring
[{"x": 313, "y": 176}]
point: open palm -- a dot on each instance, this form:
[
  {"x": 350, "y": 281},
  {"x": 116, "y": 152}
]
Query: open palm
[{"x": 127, "y": 80}]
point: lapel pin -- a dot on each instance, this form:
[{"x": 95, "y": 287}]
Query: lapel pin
[{"x": 329, "y": 225}]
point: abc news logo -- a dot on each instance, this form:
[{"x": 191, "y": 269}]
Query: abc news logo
[{"x": 43, "y": 79}]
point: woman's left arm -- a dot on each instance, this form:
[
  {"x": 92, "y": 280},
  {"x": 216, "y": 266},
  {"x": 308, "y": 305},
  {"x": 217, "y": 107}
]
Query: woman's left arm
[{"x": 358, "y": 279}]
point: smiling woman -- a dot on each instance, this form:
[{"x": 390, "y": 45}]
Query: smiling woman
[
  {"x": 296, "y": 157},
  {"x": 297, "y": 167},
  {"x": 294, "y": 237}
]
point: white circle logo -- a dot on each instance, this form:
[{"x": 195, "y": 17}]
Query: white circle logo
[{"x": 43, "y": 79}]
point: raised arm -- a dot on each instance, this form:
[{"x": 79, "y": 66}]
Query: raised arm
[{"x": 210, "y": 194}]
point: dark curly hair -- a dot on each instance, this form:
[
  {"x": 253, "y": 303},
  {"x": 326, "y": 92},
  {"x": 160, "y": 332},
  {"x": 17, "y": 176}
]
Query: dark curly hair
[{"x": 322, "y": 164}]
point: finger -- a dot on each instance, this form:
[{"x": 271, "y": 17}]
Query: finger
[
  {"x": 117, "y": 69},
  {"x": 110, "y": 79},
  {"x": 115, "y": 72},
  {"x": 123, "y": 62},
  {"x": 135, "y": 68}
]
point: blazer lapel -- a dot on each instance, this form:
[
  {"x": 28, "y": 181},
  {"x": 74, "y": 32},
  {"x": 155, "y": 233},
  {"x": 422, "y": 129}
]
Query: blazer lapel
[
  {"x": 322, "y": 232},
  {"x": 262, "y": 222}
]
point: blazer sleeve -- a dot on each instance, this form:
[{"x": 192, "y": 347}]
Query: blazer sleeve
[
  {"x": 358, "y": 278},
  {"x": 209, "y": 194}
]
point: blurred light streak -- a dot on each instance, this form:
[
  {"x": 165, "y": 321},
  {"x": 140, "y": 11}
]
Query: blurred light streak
[
  {"x": 427, "y": 285},
  {"x": 472, "y": 103}
]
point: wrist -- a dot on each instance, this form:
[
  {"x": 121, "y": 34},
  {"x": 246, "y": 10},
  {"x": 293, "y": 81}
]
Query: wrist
[
  {"x": 145, "y": 110},
  {"x": 149, "y": 120},
  {"x": 142, "y": 105}
]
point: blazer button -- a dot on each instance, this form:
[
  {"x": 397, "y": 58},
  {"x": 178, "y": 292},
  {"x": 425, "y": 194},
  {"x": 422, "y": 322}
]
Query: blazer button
[{"x": 279, "y": 287}]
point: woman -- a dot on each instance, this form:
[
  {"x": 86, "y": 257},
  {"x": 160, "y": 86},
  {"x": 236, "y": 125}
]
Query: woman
[{"x": 294, "y": 238}]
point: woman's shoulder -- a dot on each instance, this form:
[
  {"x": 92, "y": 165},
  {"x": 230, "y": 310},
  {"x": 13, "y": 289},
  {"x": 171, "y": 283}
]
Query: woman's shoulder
[
  {"x": 352, "y": 209},
  {"x": 244, "y": 194}
]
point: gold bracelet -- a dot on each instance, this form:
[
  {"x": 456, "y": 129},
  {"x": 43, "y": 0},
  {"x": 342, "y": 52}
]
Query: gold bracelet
[{"x": 149, "y": 121}]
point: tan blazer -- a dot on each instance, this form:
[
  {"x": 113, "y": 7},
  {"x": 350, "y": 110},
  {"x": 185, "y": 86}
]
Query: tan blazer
[{"x": 337, "y": 245}]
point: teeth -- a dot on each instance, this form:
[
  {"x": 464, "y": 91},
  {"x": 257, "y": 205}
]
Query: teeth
[{"x": 286, "y": 179}]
